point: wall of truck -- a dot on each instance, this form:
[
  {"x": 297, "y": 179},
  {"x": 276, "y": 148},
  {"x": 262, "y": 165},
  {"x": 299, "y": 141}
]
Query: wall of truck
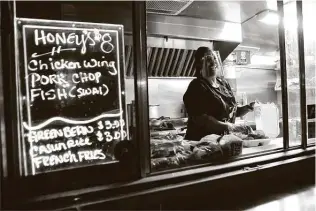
[{"x": 258, "y": 84}]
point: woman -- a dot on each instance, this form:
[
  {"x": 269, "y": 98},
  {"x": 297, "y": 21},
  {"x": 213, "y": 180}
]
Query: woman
[{"x": 209, "y": 100}]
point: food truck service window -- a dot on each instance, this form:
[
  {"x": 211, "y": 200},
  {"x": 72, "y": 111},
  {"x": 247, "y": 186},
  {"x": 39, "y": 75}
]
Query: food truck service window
[{"x": 215, "y": 98}]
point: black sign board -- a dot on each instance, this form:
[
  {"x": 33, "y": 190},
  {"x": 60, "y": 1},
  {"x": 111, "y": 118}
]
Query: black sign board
[{"x": 71, "y": 83}]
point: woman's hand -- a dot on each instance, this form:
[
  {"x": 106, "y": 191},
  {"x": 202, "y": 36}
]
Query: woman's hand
[
  {"x": 251, "y": 106},
  {"x": 230, "y": 126}
]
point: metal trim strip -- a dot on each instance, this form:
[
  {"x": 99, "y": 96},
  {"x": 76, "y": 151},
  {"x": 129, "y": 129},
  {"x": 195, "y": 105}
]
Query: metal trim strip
[
  {"x": 141, "y": 86},
  {"x": 301, "y": 53},
  {"x": 285, "y": 114}
]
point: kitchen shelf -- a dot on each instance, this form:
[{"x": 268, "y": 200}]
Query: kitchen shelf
[
  {"x": 294, "y": 84},
  {"x": 299, "y": 119},
  {"x": 294, "y": 88}
]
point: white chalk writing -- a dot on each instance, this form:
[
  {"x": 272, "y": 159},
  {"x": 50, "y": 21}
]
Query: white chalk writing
[
  {"x": 67, "y": 132},
  {"x": 63, "y": 64},
  {"x": 59, "y": 79},
  {"x": 68, "y": 157},
  {"x": 82, "y": 40},
  {"x": 53, "y": 51},
  {"x": 73, "y": 92},
  {"x": 110, "y": 125},
  {"x": 50, "y": 148},
  {"x": 116, "y": 135}
]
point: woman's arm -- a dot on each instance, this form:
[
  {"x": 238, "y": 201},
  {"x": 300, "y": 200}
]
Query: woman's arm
[
  {"x": 243, "y": 110},
  {"x": 209, "y": 123}
]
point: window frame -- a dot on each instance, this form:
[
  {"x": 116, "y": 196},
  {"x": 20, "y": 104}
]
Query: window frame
[
  {"x": 284, "y": 91},
  {"x": 15, "y": 183}
]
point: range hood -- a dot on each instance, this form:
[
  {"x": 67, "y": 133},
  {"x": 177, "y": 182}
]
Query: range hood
[
  {"x": 172, "y": 41},
  {"x": 163, "y": 62},
  {"x": 193, "y": 28}
]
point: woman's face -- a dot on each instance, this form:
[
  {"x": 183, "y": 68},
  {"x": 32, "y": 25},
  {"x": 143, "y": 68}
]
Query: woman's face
[{"x": 209, "y": 65}]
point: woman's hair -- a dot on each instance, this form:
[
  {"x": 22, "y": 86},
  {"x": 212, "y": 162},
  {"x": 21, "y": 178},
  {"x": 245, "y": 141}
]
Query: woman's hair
[{"x": 199, "y": 54}]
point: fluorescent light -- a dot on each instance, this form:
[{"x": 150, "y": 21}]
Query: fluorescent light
[
  {"x": 270, "y": 18},
  {"x": 246, "y": 47}
]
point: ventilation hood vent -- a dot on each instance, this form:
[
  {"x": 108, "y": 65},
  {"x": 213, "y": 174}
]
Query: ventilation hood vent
[
  {"x": 163, "y": 62},
  {"x": 166, "y": 57},
  {"x": 167, "y": 7},
  {"x": 170, "y": 57}
]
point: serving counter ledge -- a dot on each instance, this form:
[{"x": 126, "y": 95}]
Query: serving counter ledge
[{"x": 153, "y": 191}]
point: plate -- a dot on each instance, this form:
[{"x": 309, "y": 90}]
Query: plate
[{"x": 256, "y": 142}]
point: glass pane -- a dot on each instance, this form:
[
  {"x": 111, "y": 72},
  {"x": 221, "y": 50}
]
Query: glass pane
[
  {"x": 72, "y": 86},
  {"x": 190, "y": 114},
  {"x": 309, "y": 8},
  {"x": 258, "y": 80},
  {"x": 292, "y": 68}
]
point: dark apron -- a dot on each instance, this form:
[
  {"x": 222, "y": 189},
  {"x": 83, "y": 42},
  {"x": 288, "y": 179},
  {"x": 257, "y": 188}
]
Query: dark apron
[{"x": 225, "y": 97}]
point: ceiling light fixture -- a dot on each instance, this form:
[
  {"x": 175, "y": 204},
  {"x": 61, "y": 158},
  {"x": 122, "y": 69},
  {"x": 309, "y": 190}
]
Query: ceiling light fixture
[
  {"x": 266, "y": 16},
  {"x": 269, "y": 17}
]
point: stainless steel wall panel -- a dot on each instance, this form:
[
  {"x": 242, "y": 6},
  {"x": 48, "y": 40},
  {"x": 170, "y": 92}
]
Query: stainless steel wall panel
[
  {"x": 169, "y": 42},
  {"x": 193, "y": 28}
]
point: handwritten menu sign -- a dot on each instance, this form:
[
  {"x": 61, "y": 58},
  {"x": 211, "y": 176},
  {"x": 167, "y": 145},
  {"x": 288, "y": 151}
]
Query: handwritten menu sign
[{"x": 73, "y": 107}]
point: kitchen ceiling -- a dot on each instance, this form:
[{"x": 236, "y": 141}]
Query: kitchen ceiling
[
  {"x": 254, "y": 33},
  {"x": 230, "y": 11}
]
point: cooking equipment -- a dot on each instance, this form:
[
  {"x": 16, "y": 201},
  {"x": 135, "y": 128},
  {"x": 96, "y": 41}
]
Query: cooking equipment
[{"x": 157, "y": 122}]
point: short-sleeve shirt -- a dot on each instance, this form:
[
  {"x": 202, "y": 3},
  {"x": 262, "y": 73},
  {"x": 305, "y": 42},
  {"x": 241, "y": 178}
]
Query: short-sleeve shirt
[{"x": 202, "y": 98}]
